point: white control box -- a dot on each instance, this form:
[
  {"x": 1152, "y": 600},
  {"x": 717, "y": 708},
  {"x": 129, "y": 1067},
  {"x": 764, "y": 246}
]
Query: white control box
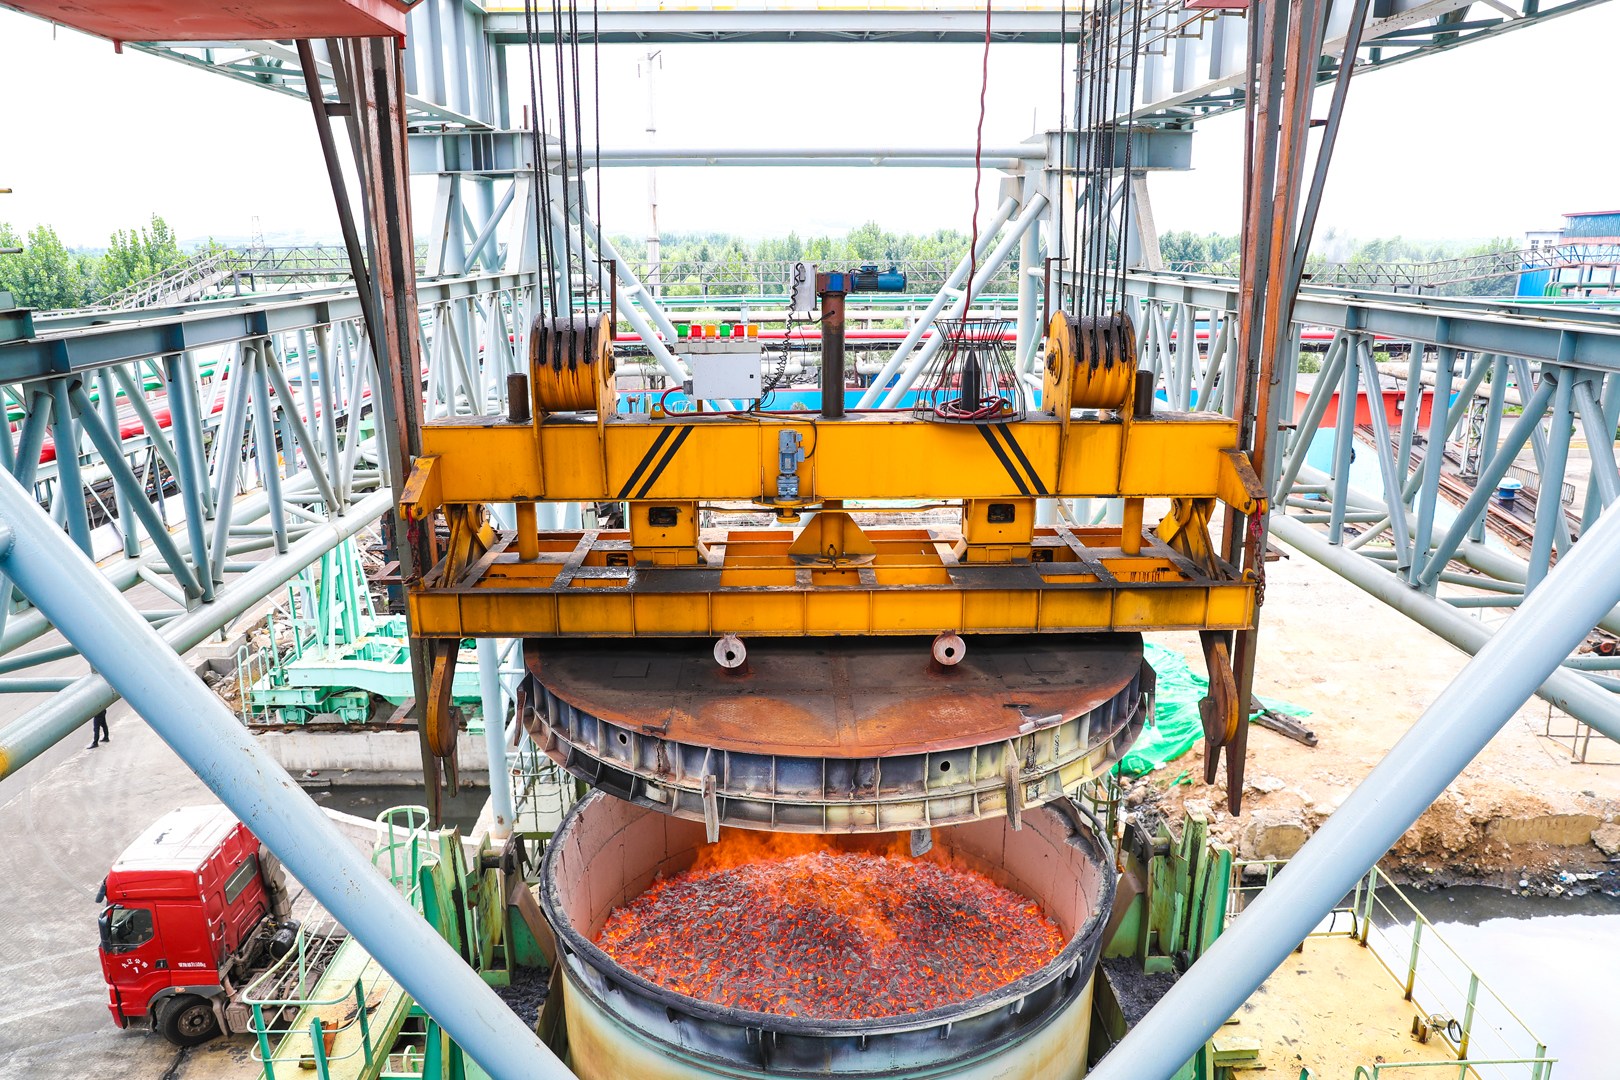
[
  {"x": 802, "y": 287},
  {"x": 725, "y": 369}
]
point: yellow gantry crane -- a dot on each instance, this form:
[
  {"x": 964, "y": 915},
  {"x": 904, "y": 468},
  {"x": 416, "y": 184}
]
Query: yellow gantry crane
[{"x": 814, "y": 573}]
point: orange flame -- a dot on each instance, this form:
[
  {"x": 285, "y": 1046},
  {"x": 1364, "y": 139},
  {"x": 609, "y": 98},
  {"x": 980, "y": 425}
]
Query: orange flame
[{"x": 805, "y": 925}]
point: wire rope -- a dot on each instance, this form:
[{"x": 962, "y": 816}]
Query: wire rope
[{"x": 978, "y": 156}]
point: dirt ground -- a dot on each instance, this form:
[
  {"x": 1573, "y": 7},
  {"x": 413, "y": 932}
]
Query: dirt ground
[{"x": 1520, "y": 817}]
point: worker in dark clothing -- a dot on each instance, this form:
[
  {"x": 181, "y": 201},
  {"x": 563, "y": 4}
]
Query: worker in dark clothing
[{"x": 98, "y": 729}]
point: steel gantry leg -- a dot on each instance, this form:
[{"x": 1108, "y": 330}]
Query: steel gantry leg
[
  {"x": 500, "y": 780},
  {"x": 65, "y": 585},
  {"x": 1450, "y": 733}
]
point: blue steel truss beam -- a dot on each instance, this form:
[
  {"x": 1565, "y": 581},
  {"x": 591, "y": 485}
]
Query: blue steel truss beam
[
  {"x": 162, "y": 332},
  {"x": 1578, "y": 338},
  {"x": 188, "y": 716}
]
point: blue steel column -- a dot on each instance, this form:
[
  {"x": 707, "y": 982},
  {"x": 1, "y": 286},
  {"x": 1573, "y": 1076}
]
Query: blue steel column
[
  {"x": 1550, "y": 495},
  {"x": 264, "y": 434},
  {"x": 69, "y": 483},
  {"x": 1610, "y": 400},
  {"x": 195, "y": 723},
  {"x": 1344, "y": 440},
  {"x": 1600, "y": 440},
  {"x": 500, "y": 781},
  {"x": 1491, "y": 434},
  {"x": 1413, "y": 408},
  {"x": 185, "y": 426},
  {"x": 228, "y": 454},
  {"x": 1433, "y": 452},
  {"x": 1507, "y": 670},
  {"x": 121, "y": 500},
  {"x": 191, "y": 387}
]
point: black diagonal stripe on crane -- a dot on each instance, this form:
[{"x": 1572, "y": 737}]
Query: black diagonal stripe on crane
[
  {"x": 1006, "y": 462},
  {"x": 641, "y": 467},
  {"x": 669, "y": 455},
  {"x": 1018, "y": 452}
]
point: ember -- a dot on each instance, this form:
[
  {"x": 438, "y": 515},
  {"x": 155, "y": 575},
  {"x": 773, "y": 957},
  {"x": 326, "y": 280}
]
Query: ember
[{"x": 826, "y": 933}]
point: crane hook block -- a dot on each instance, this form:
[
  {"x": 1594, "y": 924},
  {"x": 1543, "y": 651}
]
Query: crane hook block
[
  {"x": 1090, "y": 362},
  {"x": 571, "y": 364}
]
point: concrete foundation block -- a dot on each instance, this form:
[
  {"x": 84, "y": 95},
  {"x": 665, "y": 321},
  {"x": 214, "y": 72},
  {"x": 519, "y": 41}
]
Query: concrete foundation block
[{"x": 1273, "y": 834}]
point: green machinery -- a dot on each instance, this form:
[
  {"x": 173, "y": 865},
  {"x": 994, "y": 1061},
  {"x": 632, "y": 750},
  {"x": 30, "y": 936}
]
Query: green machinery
[
  {"x": 328, "y": 1007},
  {"x": 332, "y": 655},
  {"x": 1173, "y": 902}
]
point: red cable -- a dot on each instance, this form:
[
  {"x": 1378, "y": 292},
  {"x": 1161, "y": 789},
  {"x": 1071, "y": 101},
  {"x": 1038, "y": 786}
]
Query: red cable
[{"x": 978, "y": 151}]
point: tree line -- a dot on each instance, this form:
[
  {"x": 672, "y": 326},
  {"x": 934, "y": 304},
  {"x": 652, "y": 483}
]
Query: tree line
[{"x": 46, "y": 275}]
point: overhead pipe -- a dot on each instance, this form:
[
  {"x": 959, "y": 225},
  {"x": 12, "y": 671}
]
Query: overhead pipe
[
  {"x": 500, "y": 779},
  {"x": 1505, "y": 671},
  {"x": 188, "y": 716}
]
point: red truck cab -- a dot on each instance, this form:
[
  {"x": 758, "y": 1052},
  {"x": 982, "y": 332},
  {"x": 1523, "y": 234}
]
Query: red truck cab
[{"x": 190, "y": 904}]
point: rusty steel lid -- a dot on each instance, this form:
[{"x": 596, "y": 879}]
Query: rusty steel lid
[
  {"x": 839, "y": 697},
  {"x": 837, "y": 735}
]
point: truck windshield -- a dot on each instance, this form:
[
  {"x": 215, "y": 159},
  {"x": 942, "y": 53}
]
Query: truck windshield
[{"x": 123, "y": 929}]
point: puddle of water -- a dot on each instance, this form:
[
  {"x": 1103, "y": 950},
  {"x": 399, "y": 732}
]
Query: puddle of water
[
  {"x": 368, "y": 802},
  {"x": 1554, "y": 961}
]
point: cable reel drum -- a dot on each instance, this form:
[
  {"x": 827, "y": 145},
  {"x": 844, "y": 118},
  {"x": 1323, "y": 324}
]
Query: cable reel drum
[
  {"x": 571, "y": 364},
  {"x": 1090, "y": 362}
]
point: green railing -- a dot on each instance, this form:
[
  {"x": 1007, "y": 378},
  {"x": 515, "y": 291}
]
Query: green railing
[
  {"x": 1463, "y": 1069},
  {"x": 542, "y": 791},
  {"x": 1441, "y": 985},
  {"x": 406, "y": 845},
  {"x": 318, "y": 1059},
  {"x": 285, "y": 991}
]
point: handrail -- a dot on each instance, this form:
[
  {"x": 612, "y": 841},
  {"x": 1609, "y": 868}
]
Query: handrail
[
  {"x": 1438, "y": 272},
  {"x": 1410, "y": 962}
]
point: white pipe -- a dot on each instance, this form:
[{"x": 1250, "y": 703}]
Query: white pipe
[{"x": 937, "y": 304}]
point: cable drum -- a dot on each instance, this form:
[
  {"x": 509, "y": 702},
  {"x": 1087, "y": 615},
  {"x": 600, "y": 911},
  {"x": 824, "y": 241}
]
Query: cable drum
[
  {"x": 1095, "y": 355},
  {"x": 571, "y": 360}
]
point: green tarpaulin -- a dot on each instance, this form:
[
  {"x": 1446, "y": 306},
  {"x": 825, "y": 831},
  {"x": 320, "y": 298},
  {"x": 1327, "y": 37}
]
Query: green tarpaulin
[{"x": 1176, "y": 725}]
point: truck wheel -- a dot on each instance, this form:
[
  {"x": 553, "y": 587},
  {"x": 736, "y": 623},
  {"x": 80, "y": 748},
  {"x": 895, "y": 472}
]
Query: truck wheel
[{"x": 188, "y": 1020}]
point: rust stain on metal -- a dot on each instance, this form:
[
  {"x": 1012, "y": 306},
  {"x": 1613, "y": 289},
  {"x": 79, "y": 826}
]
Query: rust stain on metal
[{"x": 829, "y": 698}]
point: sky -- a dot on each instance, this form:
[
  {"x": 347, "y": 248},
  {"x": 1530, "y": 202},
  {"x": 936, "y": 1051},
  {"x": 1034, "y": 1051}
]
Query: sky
[{"x": 1488, "y": 140}]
